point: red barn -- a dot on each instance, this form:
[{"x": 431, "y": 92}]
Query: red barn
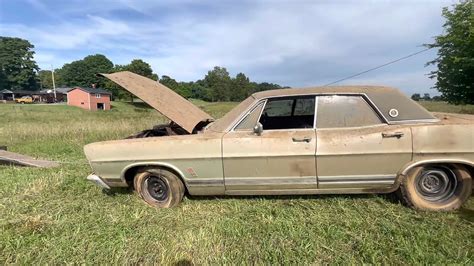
[{"x": 89, "y": 98}]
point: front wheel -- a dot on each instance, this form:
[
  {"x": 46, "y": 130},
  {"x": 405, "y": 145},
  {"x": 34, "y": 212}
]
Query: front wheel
[
  {"x": 159, "y": 188},
  {"x": 436, "y": 187}
]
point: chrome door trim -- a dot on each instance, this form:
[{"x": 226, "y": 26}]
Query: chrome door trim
[
  {"x": 348, "y": 181},
  {"x": 205, "y": 182},
  {"x": 262, "y": 181}
]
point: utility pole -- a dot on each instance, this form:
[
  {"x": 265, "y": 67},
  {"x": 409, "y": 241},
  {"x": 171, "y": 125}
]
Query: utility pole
[{"x": 54, "y": 84}]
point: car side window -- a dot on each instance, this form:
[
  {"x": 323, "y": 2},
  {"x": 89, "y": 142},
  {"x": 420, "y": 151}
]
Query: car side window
[
  {"x": 278, "y": 108},
  {"x": 336, "y": 111},
  {"x": 288, "y": 113},
  {"x": 304, "y": 106},
  {"x": 251, "y": 119}
]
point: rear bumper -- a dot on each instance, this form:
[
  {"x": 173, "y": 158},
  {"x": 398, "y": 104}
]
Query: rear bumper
[{"x": 98, "y": 181}]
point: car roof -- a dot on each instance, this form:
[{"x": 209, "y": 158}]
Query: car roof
[
  {"x": 322, "y": 90},
  {"x": 382, "y": 98}
]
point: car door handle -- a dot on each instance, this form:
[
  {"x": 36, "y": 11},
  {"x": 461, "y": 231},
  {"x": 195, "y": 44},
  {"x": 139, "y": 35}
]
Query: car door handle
[
  {"x": 393, "y": 135},
  {"x": 305, "y": 139}
]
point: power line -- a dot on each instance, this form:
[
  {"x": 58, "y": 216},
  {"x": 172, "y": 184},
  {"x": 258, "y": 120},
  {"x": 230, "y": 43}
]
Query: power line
[{"x": 377, "y": 67}]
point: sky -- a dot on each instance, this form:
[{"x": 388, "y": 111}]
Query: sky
[{"x": 292, "y": 43}]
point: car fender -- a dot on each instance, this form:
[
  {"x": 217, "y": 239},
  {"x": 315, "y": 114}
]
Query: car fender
[
  {"x": 162, "y": 164},
  {"x": 411, "y": 165}
]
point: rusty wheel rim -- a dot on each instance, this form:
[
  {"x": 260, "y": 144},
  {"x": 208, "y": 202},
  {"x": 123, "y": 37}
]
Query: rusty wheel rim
[
  {"x": 436, "y": 184},
  {"x": 157, "y": 187}
]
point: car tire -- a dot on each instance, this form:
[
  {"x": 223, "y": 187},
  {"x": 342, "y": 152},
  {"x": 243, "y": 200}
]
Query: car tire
[
  {"x": 158, "y": 187},
  {"x": 436, "y": 187}
]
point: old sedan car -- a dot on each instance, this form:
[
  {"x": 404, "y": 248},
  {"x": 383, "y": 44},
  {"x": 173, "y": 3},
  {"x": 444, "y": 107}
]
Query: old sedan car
[{"x": 348, "y": 139}]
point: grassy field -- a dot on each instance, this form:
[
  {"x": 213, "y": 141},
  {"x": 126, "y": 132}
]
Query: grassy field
[
  {"x": 55, "y": 216},
  {"x": 448, "y": 108}
]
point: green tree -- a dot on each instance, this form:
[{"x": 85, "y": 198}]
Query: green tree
[
  {"x": 264, "y": 86},
  {"x": 142, "y": 68},
  {"x": 241, "y": 87},
  {"x": 136, "y": 66},
  {"x": 46, "y": 79},
  {"x": 436, "y": 98},
  {"x": 169, "y": 82},
  {"x": 117, "y": 91},
  {"x": 455, "y": 61},
  {"x": 416, "y": 97},
  {"x": 84, "y": 72},
  {"x": 17, "y": 66},
  {"x": 182, "y": 88},
  {"x": 219, "y": 83},
  {"x": 185, "y": 89},
  {"x": 197, "y": 90},
  {"x": 426, "y": 97}
]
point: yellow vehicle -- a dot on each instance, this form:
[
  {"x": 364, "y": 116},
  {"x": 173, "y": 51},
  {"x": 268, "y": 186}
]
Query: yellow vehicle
[{"x": 24, "y": 99}]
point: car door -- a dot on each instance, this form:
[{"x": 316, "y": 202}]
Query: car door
[
  {"x": 356, "y": 148},
  {"x": 282, "y": 157}
]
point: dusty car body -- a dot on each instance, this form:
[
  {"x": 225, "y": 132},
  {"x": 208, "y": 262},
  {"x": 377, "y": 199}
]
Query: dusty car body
[{"x": 320, "y": 140}]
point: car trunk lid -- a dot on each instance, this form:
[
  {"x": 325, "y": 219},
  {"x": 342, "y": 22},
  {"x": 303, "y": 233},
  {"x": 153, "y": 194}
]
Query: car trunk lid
[{"x": 164, "y": 100}]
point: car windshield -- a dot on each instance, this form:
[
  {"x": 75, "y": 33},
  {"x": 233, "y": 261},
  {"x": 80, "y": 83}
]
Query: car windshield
[{"x": 220, "y": 125}]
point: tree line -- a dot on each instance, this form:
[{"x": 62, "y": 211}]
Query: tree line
[
  {"x": 454, "y": 74},
  {"x": 19, "y": 71},
  {"x": 426, "y": 97},
  {"x": 217, "y": 84}
]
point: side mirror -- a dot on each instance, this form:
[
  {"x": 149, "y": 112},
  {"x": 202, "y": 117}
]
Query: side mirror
[{"x": 258, "y": 129}]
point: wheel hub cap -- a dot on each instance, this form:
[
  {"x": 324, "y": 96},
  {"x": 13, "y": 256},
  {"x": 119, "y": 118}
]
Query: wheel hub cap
[
  {"x": 157, "y": 188},
  {"x": 436, "y": 184}
]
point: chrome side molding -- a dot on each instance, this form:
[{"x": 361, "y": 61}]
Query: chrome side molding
[{"x": 353, "y": 181}]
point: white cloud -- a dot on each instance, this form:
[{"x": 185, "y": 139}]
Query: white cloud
[
  {"x": 293, "y": 43},
  {"x": 68, "y": 35},
  {"x": 44, "y": 58}
]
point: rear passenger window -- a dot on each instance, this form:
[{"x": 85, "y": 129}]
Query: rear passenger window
[
  {"x": 288, "y": 113},
  {"x": 338, "y": 111}
]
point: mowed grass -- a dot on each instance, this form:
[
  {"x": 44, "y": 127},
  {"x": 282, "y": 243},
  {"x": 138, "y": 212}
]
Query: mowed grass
[
  {"x": 448, "y": 108},
  {"x": 55, "y": 216}
]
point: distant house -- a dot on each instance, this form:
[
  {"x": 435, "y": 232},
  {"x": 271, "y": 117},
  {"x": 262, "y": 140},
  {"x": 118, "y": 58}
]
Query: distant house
[
  {"x": 63, "y": 90},
  {"x": 9, "y": 95},
  {"x": 89, "y": 98},
  {"x": 6, "y": 95},
  {"x": 48, "y": 96}
]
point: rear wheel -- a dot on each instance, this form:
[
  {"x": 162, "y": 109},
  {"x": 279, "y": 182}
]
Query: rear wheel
[
  {"x": 436, "y": 187},
  {"x": 159, "y": 187}
]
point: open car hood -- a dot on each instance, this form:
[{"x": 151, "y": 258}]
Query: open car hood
[{"x": 163, "y": 99}]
